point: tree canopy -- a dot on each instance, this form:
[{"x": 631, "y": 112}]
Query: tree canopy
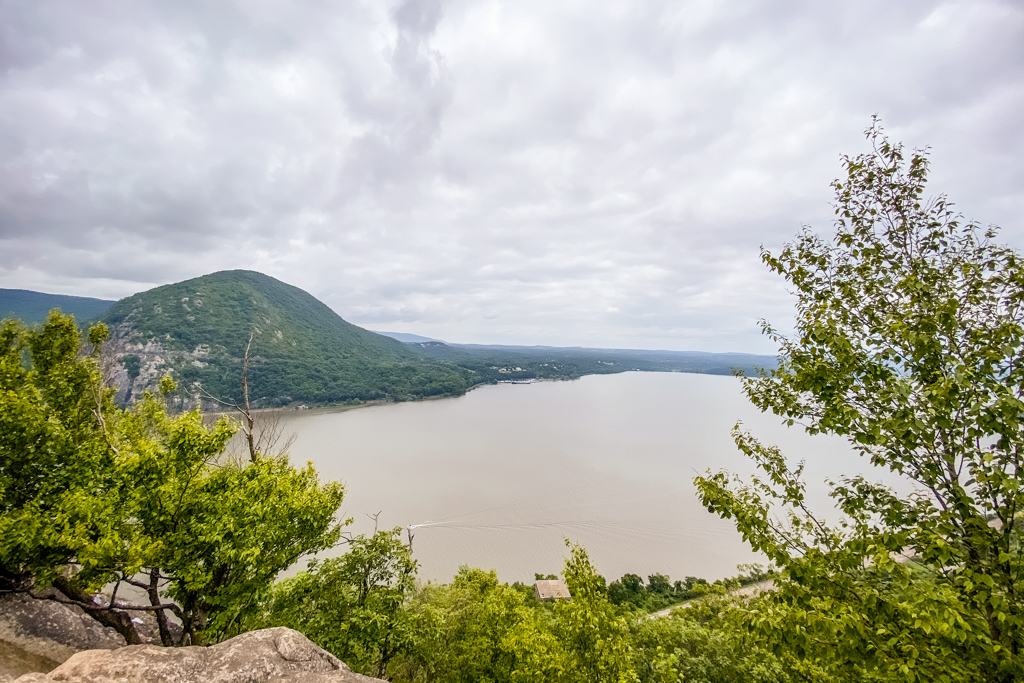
[
  {"x": 908, "y": 339},
  {"x": 93, "y": 496}
]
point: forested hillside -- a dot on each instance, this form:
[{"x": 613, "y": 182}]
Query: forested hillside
[
  {"x": 33, "y": 307},
  {"x": 302, "y": 351}
]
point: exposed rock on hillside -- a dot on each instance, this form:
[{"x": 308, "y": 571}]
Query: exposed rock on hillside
[{"x": 274, "y": 655}]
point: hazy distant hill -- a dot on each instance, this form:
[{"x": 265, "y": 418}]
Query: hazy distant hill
[
  {"x": 510, "y": 363},
  {"x": 406, "y": 336},
  {"x": 33, "y": 307},
  {"x": 302, "y": 351}
]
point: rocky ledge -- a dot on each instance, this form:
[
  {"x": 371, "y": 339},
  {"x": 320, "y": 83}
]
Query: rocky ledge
[
  {"x": 273, "y": 655},
  {"x": 38, "y": 635}
]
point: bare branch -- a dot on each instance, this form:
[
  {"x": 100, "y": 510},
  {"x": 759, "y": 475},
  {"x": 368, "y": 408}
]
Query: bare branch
[
  {"x": 376, "y": 518},
  {"x": 247, "y": 413}
]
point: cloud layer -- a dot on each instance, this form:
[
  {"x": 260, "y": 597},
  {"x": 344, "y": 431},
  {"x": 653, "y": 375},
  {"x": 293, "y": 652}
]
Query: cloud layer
[{"x": 595, "y": 174}]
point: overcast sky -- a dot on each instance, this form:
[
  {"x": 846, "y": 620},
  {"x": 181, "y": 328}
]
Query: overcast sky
[{"x": 529, "y": 172}]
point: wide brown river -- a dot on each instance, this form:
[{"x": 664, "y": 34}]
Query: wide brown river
[{"x": 499, "y": 477}]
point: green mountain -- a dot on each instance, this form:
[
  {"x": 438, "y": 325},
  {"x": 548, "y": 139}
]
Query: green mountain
[
  {"x": 33, "y": 307},
  {"x": 302, "y": 351}
]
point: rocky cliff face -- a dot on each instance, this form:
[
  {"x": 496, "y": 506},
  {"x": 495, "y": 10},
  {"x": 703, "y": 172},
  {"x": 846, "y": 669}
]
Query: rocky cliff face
[
  {"x": 275, "y": 655},
  {"x": 134, "y": 365}
]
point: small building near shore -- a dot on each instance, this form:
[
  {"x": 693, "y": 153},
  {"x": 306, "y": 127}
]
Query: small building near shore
[{"x": 551, "y": 590}]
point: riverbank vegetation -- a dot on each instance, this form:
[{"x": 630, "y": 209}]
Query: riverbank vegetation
[
  {"x": 366, "y": 608},
  {"x": 661, "y": 591},
  {"x": 300, "y": 352},
  {"x": 492, "y": 364}
]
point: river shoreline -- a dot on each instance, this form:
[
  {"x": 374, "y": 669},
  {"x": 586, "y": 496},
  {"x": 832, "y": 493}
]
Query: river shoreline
[{"x": 343, "y": 407}]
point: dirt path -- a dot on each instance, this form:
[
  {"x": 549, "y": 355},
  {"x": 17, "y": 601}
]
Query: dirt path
[{"x": 751, "y": 590}]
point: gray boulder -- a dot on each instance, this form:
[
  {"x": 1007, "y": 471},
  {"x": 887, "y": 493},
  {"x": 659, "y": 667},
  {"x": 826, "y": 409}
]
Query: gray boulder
[
  {"x": 37, "y": 635},
  {"x": 273, "y": 655}
]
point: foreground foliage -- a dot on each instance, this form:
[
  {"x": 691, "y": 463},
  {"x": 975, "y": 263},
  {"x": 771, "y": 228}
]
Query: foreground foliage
[
  {"x": 908, "y": 340},
  {"x": 91, "y": 495},
  {"x": 365, "y": 608},
  {"x": 353, "y": 605}
]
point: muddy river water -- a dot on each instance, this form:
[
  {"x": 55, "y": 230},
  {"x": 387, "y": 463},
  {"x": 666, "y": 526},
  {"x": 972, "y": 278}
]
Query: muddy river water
[{"x": 499, "y": 477}]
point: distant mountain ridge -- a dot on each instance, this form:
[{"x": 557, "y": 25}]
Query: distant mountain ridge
[
  {"x": 33, "y": 307},
  {"x": 407, "y": 337},
  {"x": 505, "y": 363},
  {"x": 302, "y": 351}
]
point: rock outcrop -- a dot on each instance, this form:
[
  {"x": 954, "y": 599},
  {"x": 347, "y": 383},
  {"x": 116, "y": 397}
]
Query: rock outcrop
[
  {"x": 273, "y": 655},
  {"x": 51, "y": 629},
  {"x": 37, "y": 635}
]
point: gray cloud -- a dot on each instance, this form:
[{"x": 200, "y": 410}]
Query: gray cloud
[{"x": 527, "y": 172}]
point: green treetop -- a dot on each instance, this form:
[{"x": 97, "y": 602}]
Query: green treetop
[
  {"x": 908, "y": 341},
  {"x": 91, "y": 495}
]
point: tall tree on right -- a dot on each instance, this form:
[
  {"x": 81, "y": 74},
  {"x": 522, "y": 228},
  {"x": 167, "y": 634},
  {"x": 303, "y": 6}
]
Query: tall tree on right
[{"x": 909, "y": 342}]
